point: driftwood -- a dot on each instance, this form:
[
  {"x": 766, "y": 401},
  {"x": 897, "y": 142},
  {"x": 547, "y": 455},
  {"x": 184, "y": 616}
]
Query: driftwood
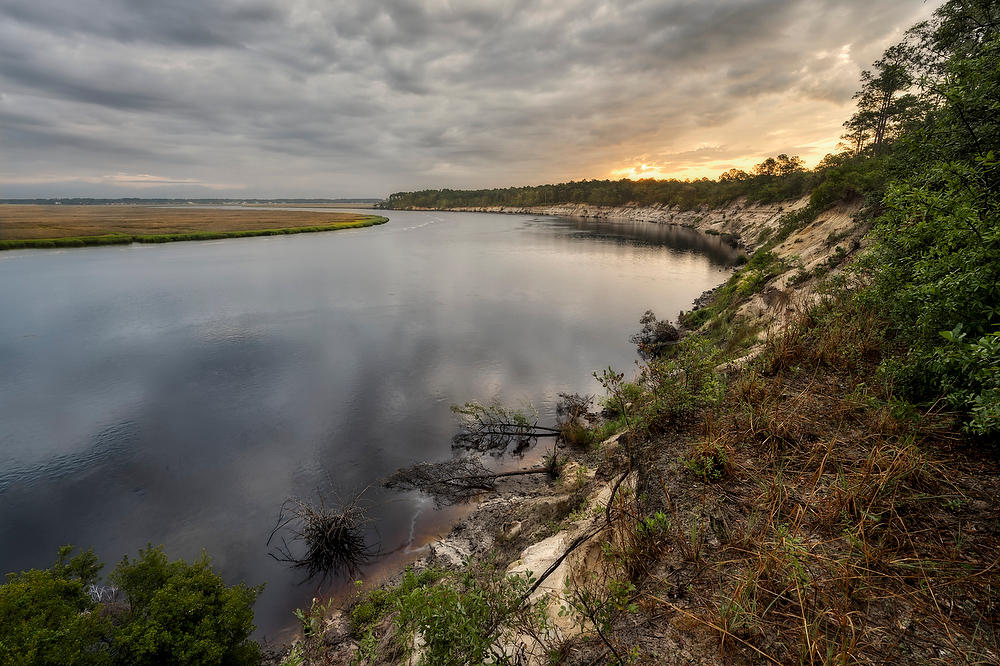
[
  {"x": 491, "y": 428},
  {"x": 454, "y": 481},
  {"x": 495, "y": 428},
  {"x": 333, "y": 537}
]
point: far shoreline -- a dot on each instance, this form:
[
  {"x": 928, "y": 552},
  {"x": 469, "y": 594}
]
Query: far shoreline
[{"x": 41, "y": 227}]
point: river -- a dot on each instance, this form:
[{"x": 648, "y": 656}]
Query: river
[{"x": 176, "y": 394}]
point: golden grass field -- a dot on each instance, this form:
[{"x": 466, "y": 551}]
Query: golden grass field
[{"x": 26, "y": 221}]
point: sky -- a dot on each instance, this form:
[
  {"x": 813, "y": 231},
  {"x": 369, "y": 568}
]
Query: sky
[{"x": 361, "y": 98}]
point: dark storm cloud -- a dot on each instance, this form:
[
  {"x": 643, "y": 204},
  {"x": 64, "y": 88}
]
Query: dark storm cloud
[
  {"x": 57, "y": 84},
  {"x": 320, "y": 97},
  {"x": 184, "y": 23}
]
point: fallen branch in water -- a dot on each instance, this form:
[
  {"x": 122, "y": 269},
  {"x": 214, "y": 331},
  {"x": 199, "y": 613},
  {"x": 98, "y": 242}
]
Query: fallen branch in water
[
  {"x": 455, "y": 481},
  {"x": 495, "y": 428}
]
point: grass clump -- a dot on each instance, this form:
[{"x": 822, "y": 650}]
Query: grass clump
[{"x": 67, "y": 241}]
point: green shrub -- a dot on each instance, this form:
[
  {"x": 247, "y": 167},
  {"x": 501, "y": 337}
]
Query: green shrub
[
  {"x": 847, "y": 178},
  {"x": 176, "y": 613},
  {"x": 47, "y": 617},
  {"x": 370, "y": 610},
  {"x": 465, "y": 619},
  {"x": 684, "y": 382},
  {"x": 936, "y": 267},
  {"x": 708, "y": 463},
  {"x": 183, "y": 613},
  {"x": 695, "y": 319}
]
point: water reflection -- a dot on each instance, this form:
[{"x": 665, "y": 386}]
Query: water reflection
[
  {"x": 672, "y": 238},
  {"x": 179, "y": 393}
]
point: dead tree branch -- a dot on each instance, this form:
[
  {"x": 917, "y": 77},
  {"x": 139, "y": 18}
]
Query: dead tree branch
[
  {"x": 495, "y": 428},
  {"x": 453, "y": 481}
]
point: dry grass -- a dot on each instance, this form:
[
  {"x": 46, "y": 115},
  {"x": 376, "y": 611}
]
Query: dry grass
[
  {"x": 25, "y": 221},
  {"x": 849, "y": 548},
  {"x": 842, "y": 527}
]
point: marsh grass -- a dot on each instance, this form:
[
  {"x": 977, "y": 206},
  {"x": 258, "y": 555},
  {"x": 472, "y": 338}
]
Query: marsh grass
[
  {"x": 124, "y": 239},
  {"x": 26, "y": 226}
]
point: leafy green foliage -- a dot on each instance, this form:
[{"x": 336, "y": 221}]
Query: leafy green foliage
[
  {"x": 936, "y": 263},
  {"x": 849, "y": 177},
  {"x": 686, "y": 381},
  {"x": 183, "y": 613},
  {"x": 468, "y": 618},
  {"x": 380, "y": 601},
  {"x": 47, "y": 617},
  {"x": 312, "y": 619},
  {"x": 668, "y": 388},
  {"x": 708, "y": 464},
  {"x": 176, "y": 613},
  {"x": 976, "y": 364}
]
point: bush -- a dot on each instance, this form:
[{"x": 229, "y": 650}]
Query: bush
[
  {"x": 183, "y": 613},
  {"x": 466, "y": 619},
  {"x": 935, "y": 274},
  {"x": 46, "y": 617},
  {"x": 655, "y": 336},
  {"x": 176, "y": 613},
  {"x": 380, "y": 601},
  {"x": 850, "y": 178}
]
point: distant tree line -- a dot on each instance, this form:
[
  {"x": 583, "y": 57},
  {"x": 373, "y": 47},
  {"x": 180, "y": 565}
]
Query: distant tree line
[{"x": 775, "y": 179}]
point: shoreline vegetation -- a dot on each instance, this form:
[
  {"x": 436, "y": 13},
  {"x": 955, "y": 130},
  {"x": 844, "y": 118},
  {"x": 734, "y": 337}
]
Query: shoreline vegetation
[
  {"x": 32, "y": 226},
  {"x": 810, "y": 474}
]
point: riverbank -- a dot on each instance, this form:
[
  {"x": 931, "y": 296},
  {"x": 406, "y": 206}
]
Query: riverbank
[
  {"x": 740, "y": 219},
  {"x": 24, "y": 226},
  {"x": 765, "y": 500},
  {"x": 527, "y": 522}
]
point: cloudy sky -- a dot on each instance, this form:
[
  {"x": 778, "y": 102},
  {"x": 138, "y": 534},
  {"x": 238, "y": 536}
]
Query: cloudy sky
[{"x": 340, "y": 98}]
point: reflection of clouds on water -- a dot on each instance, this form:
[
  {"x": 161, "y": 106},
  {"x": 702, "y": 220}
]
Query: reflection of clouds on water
[{"x": 178, "y": 395}]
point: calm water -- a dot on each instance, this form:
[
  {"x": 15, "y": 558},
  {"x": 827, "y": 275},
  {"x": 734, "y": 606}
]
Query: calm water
[{"x": 177, "y": 394}]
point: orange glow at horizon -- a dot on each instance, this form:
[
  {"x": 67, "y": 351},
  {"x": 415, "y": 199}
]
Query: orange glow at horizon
[
  {"x": 693, "y": 172},
  {"x": 812, "y": 154}
]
